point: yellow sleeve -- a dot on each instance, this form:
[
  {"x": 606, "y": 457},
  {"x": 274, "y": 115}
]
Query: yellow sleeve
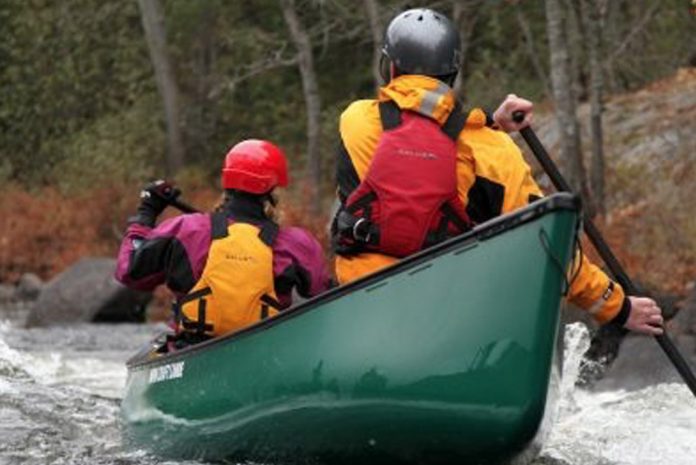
[
  {"x": 499, "y": 159},
  {"x": 592, "y": 290},
  {"x": 520, "y": 188}
]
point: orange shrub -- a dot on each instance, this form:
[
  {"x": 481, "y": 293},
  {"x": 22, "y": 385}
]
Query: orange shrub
[{"x": 44, "y": 231}]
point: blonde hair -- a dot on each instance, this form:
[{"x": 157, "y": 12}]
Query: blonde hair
[{"x": 270, "y": 205}]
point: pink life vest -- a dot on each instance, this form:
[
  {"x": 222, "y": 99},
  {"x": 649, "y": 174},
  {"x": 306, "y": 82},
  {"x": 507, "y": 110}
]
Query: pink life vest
[{"x": 408, "y": 199}]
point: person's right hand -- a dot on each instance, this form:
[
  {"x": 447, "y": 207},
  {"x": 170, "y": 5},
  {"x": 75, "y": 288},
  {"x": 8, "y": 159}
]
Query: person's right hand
[
  {"x": 504, "y": 115},
  {"x": 645, "y": 316}
]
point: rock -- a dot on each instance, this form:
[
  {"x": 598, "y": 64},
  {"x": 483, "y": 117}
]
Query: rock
[
  {"x": 685, "y": 321},
  {"x": 7, "y": 293},
  {"x": 85, "y": 292},
  {"x": 638, "y": 360},
  {"x": 29, "y": 287},
  {"x": 607, "y": 340},
  {"x": 640, "y": 363}
]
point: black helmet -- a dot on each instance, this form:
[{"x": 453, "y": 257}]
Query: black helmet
[{"x": 421, "y": 41}]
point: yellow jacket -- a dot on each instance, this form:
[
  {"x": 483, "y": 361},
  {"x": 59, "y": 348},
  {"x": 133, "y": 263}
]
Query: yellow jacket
[{"x": 493, "y": 178}]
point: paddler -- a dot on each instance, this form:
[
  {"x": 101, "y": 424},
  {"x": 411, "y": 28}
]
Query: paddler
[
  {"x": 414, "y": 169},
  {"x": 231, "y": 268}
]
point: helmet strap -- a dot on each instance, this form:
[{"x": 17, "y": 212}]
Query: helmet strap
[
  {"x": 385, "y": 68},
  {"x": 449, "y": 78}
]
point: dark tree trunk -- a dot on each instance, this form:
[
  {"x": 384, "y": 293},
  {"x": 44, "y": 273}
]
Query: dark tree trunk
[
  {"x": 564, "y": 99},
  {"x": 153, "y": 24},
  {"x": 465, "y": 14},
  {"x": 592, "y": 18},
  {"x": 310, "y": 88},
  {"x": 372, "y": 10}
]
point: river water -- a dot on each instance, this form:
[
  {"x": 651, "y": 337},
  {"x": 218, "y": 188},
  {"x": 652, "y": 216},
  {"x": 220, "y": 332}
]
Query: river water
[{"x": 60, "y": 390}]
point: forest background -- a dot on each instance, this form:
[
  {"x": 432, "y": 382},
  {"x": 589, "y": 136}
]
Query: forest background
[{"x": 97, "y": 97}]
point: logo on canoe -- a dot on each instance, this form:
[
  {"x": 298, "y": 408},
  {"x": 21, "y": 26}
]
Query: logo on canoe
[{"x": 166, "y": 372}]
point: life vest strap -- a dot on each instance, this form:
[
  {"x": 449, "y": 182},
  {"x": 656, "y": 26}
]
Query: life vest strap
[
  {"x": 455, "y": 122},
  {"x": 268, "y": 229},
  {"x": 218, "y": 223},
  {"x": 390, "y": 115},
  {"x": 269, "y": 232},
  {"x": 271, "y": 302},
  {"x": 199, "y": 326},
  {"x": 361, "y": 231},
  {"x": 450, "y": 214},
  {"x": 194, "y": 295},
  {"x": 358, "y": 230},
  {"x": 268, "y": 302}
]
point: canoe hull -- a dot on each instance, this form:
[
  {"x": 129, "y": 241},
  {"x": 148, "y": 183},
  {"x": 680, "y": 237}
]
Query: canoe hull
[{"x": 445, "y": 358}]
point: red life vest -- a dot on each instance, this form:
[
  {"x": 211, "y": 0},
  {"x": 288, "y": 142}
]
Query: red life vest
[{"x": 408, "y": 199}]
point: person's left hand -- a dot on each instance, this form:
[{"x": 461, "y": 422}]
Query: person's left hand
[
  {"x": 503, "y": 115},
  {"x": 157, "y": 195},
  {"x": 154, "y": 199}
]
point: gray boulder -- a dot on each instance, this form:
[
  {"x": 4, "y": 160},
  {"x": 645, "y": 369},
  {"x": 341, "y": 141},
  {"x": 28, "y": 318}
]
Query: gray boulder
[
  {"x": 7, "y": 293},
  {"x": 87, "y": 292},
  {"x": 685, "y": 321},
  {"x": 607, "y": 342},
  {"x": 641, "y": 363},
  {"x": 29, "y": 287}
]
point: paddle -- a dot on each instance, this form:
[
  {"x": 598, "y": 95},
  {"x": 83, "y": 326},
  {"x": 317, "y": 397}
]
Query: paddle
[
  {"x": 182, "y": 206},
  {"x": 171, "y": 197},
  {"x": 603, "y": 248}
]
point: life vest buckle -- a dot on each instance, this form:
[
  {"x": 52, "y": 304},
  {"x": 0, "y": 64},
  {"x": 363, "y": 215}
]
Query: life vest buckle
[{"x": 362, "y": 234}]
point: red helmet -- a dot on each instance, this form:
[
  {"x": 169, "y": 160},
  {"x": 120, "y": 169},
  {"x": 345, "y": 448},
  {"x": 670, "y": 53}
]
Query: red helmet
[{"x": 255, "y": 166}]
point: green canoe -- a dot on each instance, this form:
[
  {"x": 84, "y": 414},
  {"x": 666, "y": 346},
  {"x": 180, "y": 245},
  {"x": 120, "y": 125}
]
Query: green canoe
[{"x": 445, "y": 357}]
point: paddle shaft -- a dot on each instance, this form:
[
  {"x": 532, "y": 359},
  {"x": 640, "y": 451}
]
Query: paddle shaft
[
  {"x": 604, "y": 250},
  {"x": 183, "y": 206}
]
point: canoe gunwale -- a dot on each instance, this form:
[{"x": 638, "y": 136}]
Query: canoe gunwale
[{"x": 482, "y": 232}]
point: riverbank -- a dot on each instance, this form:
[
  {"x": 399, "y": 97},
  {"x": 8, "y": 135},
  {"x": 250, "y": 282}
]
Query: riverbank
[{"x": 650, "y": 175}]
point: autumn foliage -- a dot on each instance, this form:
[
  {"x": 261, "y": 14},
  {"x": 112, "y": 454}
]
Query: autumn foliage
[{"x": 45, "y": 230}]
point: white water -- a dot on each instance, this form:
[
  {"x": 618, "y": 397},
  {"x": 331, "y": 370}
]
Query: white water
[
  {"x": 60, "y": 389},
  {"x": 655, "y": 425}
]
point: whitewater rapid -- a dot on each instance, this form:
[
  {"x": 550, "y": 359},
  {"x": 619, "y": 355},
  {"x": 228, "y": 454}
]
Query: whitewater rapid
[{"x": 60, "y": 390}]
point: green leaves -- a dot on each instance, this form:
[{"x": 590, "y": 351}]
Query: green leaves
[{"x": 78, "y": 96}]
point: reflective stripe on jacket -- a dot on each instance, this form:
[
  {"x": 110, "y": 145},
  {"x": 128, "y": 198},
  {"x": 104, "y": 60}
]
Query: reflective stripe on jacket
[{"x": 493, "y": 178}]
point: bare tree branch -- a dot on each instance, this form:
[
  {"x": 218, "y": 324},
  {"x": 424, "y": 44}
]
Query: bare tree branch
[
  {"x": 634, "y": 32},
  {"x": 532, "y": 52},
  {"x": 276, "y": 59}
]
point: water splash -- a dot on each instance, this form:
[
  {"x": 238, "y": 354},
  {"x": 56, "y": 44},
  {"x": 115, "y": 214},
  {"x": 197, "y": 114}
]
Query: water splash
[
  {"x": 60, "y": 389},
  {"x": 59, "y": 405},
  {"x": 651, "y": 426}
]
